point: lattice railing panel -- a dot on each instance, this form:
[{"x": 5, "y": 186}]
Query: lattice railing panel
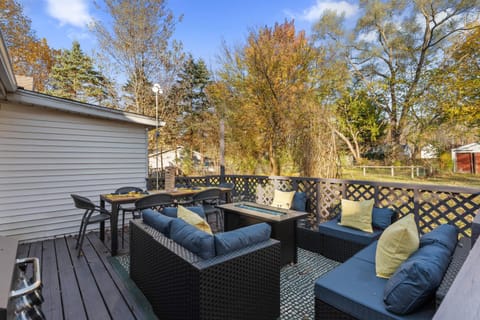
[
  {"x": 437, "y": 207},
  {"x": 431, "y": 205},
  {"x": 330, "y": 198},
  {"x": 399, "y": 199},
  {"x": 359, "y": 192}
]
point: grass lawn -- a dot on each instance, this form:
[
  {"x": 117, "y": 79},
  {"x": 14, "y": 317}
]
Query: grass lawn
[{"x": 404, "y": 176}]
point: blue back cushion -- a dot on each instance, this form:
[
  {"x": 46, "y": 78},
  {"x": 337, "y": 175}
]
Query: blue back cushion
[
  {"x": 192, "y": 239},
  {"x": 444, "y": 234},
  {"x": 416, "y": 280},
  {"x": 299, "y": 202},
  {"x": 382, "y": 217},
  {"x": 239, "y": 238},
  {"x": 157, "y": 221},
  {"x": 172, "y": 211}
]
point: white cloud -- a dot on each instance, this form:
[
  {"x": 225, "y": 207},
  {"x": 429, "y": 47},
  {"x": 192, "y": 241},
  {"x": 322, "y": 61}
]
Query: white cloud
[
  {"x": 71, "y": 12},
  {"x": 371, "y": 36},
  {"x": 315, "y": 12}
]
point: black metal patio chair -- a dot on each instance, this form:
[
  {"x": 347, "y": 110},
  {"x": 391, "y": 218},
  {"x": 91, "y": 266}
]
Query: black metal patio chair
[
  {"x": 209, "y": 198},
  {"x": 88, "y": 217},
  {"x": 154, "y": 201},
  {"x": 127, "y": 208}
]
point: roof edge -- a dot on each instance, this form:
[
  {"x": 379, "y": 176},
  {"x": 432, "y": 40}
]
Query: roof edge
[
  {"x": 7, "y": 77},
  {"x": 42, "y": 100}
]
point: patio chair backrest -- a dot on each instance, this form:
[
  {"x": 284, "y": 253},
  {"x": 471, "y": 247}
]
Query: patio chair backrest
[
  {"x": 82, "y": 202},
  {"x": 124, "y": 190},
  {"x": 209, "y": 194},
  {"x": 154, "y": 201}
]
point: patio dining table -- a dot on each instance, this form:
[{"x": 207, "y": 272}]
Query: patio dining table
[{"x": 116, "y": 200}]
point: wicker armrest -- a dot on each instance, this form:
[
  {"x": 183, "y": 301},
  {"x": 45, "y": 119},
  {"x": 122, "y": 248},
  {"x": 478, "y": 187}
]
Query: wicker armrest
[{"x": 459, "y": 256}]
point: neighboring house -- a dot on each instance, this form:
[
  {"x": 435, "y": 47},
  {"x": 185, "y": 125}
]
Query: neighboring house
[
  {"x": 172, "y": 158},
  {"x": 52, "y": 147},
  {"x": 466, "y": 159}
]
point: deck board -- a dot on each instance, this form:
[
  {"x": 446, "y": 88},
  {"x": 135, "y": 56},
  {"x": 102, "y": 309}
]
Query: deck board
[
  {"x": 92, "y": 298},
  {"x": 72, "y": 301},
  {"x": 52, "y": 307},
  {"x": 85, "y": 287},
  {"x": 130, "y": 300}
]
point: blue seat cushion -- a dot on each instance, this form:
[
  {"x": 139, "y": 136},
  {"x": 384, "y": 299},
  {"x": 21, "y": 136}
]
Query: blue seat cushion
[
  {"x": 172, "y": 211},
  {"x": 226, "y": 242},
  {"x": 416, "y": 280},
  {"x": 157, "y": 221},
  {"x": 382, "y": 217},
  {"x": 333, "y": 229},
  {"x": 445, "y": 234},
  {"x": 354, "y": 289},
  {"x": 368, "y": 253},
  {"x": 192, "y": 239},
  {"x": 299, "y": 202}
]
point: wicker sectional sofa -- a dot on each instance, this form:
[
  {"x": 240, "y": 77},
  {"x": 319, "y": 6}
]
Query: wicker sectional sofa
[
  {"x": 243, "y": 284},
  {"x": 352, "y": 290}
]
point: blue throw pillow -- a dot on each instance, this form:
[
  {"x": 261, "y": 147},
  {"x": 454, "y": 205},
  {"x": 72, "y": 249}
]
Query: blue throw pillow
[
  {"x": 299, "y": 202},
  {"x": 445, "y": 234},
  {"x": 192, "y": 239},
  {"x": 240, "y": 238},
  {"x": 382, "y": 217},
  {"x": 172, "y": 211},
  {"x": 157, "y": 221},
  {"x": 416, "y": 280}
]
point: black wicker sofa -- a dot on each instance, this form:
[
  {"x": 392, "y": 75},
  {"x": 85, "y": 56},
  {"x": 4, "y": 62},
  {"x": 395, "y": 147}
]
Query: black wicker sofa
[
  {"x": 243, "y": 284},
  {"x": 352, "y": 291},
  {"x": 337, "y": 242}
]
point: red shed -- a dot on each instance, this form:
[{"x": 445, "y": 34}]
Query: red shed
[{"x": 466, "y": 159}]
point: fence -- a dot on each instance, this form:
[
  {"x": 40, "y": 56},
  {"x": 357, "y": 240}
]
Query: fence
[
  {"x": 412, "y": 170},
  {"x": 431, "y": 205}
]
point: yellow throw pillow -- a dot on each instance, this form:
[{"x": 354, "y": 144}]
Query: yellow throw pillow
[
  {"x": 395, "y": 245},
  {"x": 282, "y": 199},
  {"x": 357, "y": 214},
  {"x": 193, "y": 219}
]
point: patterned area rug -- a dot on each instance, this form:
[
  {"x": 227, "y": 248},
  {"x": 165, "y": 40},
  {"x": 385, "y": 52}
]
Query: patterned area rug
[{"x": 296, "y": 283}]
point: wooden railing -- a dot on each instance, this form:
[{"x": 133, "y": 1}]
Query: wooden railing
[{"x": 432, "y": 205}]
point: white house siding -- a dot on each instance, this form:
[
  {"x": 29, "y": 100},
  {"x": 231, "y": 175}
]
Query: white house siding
[{"x": 45, "y": 155}]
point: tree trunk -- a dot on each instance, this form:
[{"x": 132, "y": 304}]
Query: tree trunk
[{"x": 274, "y": 161}]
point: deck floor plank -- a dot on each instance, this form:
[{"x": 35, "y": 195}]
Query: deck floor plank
[
  {"x": 88, "y": 287},
  {"x": 114, "y": 300},
  {"x": 71, "y": 297},
  {"x": 131, "y": 302},
  {"x": 52, "y": 307},
  {"x": 92, "y": 297}
]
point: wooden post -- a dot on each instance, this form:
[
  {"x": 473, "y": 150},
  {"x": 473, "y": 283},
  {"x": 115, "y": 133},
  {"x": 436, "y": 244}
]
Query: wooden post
[
  {"x": 413, "y": 173},
  {"x": 392, "y": 168},
  {"x": 364, "y": 171}
]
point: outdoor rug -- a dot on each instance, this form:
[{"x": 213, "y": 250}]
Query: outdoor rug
[{"x": 296, "y": 283}]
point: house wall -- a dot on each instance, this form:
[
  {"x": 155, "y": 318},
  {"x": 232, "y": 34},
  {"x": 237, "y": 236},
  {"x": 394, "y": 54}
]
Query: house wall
[{"x": 46, "y": 155}]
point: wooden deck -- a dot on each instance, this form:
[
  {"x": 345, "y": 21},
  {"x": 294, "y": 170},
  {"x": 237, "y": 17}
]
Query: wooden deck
[{"x": 87, "y": 287}]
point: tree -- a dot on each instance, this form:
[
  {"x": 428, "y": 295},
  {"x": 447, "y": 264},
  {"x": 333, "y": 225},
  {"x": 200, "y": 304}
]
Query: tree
[
  {"x": 197, "y": 121},
  {"x": 393, "y": 47},
  {"x": 30, "y": 56},
  {"x": 138, "y": 43},
  {"x": 359, "y": 122},
  {"x": 270, "y": 80},
  {"x": 74, "y": 77}
]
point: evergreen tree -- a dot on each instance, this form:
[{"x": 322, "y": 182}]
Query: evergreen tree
[
  {"x": 74, "y": 77},
  {"x": 198, "y": 125},
  {"x": 193, "y": 79}
]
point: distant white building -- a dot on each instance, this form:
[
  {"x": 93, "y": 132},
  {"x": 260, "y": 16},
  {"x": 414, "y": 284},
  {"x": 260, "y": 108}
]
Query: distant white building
[{"x": 429, "y": 152}]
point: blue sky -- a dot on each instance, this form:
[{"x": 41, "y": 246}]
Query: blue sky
[{"x": 206, "y": 23}]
